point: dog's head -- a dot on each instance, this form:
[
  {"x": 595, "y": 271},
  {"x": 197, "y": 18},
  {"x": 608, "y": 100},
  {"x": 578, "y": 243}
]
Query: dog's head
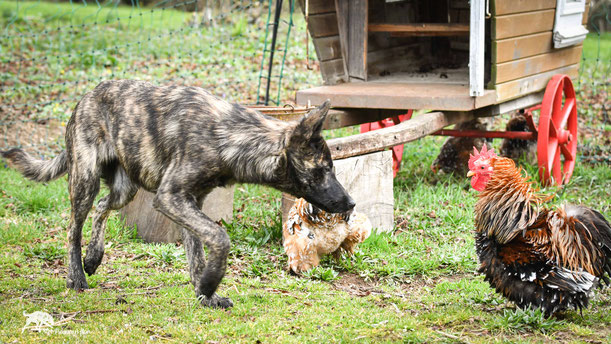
[{"x": 310, "y": 167}]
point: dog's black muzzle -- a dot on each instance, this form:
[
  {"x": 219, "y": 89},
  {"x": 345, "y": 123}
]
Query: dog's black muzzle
[{"x": 330, "y": 196}]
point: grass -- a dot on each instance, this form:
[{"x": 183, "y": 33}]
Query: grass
[{"x": 417, "y": 284}]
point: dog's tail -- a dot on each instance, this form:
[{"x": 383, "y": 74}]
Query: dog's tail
[{"x": 36, "y": 169}]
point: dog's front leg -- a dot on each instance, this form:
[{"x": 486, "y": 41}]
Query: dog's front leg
[
  {"x": 195, "y": 255},
  {"x": 182, "y": 209}
]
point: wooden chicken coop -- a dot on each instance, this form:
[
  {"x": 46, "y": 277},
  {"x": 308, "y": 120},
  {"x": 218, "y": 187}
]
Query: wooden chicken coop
[{"x": 460, "y": 59}]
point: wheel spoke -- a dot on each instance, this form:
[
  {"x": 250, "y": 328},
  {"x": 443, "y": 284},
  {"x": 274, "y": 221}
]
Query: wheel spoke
[
  {"x": 566, "y": 112},
  {"x": 553, "y": 130},
  {"x": 566, "y": 151},
  {"x": 557, "y": 168},
  {"x": 557, "y": 104},
  {"x": 552, "y": 147}
]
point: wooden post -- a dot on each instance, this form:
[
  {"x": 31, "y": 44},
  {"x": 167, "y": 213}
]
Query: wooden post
[
  {"x": 369, "y": 180},
  {"x": 476, "y": 48},
  {"x": 154, "y": 227}
]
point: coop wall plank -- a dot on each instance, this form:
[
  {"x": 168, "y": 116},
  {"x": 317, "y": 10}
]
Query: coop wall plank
[
  {"x": 520, "y": 47},
  {"x": 502, "y": 7},
  {"x": 521, "y": 24},
  {"x": 537, "y": 64},
  {"x": 520, "y": 87}
]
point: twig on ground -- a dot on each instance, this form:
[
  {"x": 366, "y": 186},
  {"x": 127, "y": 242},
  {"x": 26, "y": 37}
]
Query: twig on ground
[{"x": 448, "y": 335}]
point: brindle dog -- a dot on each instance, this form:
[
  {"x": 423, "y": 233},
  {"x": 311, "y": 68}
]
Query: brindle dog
[{"x": 180, "y": 142}]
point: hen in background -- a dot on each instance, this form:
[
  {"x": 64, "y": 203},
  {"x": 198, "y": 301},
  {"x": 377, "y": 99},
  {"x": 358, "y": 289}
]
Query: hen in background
[
  {"x": 516, "y": 148},
  {"x": 309, "y": 233},
  {"x": 454, "y": 154},
  {"x": 552, "y": 259}
]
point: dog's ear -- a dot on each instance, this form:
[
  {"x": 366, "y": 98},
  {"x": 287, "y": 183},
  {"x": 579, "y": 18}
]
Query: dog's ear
[{"x": 311, "y": 124}]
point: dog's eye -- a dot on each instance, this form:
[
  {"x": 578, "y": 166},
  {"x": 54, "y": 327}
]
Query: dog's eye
[{"x": 311, "y": 236}]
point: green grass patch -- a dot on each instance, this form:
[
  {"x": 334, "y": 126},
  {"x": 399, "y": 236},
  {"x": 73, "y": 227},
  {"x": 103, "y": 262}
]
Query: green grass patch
[{"x": 417, "y": 284}]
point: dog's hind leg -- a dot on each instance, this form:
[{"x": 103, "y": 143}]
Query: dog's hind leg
[
  {"x": 83, "y": 185},
  {"x": 122, "y": 191},
  {"x": 182, "y": 208}
]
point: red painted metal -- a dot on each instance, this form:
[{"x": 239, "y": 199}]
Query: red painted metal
[
  {"x": 523, "y": 135},
  {"x": 397, "y": 151},
  {"x": 528, "y": 114},
  {"x": 557, "y": 138},
  {"x": 556, "y": 134}
]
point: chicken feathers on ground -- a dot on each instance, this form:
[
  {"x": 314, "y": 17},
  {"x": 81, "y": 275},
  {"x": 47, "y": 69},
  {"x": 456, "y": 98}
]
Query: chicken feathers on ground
[
  {"x": 309, "y": 233},
  {"x": 552, "y": 259}
]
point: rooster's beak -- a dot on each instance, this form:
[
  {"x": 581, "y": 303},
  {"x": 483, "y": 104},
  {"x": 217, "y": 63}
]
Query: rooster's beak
[{"x": 470, "y": 173}]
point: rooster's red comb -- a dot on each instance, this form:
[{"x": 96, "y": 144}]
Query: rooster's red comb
[{"x": 484, "y": 154}]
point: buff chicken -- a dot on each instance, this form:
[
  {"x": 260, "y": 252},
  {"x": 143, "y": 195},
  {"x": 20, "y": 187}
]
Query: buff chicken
[
  {"x": 309, "y": 233},
  {"x": 552, "y": 259}
]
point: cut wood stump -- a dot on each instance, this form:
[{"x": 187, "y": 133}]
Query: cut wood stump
[
  {"x": 154, "y": 227},
  {"x": 369, "y": 180}
]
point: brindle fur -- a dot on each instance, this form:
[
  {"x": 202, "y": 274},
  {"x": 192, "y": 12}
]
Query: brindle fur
[{"x": 180, "y": 142}]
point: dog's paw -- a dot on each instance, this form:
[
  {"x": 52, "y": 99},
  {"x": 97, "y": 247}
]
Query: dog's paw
[
  {"x": 92, "y": 262},
  {"x": 77, "y": 283},
  {"x": 216, "y": 301}
]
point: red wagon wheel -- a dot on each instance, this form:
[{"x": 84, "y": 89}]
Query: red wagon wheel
[{"x": 557, "y": 138}]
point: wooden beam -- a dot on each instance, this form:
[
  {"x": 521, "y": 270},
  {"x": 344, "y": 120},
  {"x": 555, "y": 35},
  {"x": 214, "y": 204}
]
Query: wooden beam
[
  {"x": 374, "y": 141},
  {"x": 396, "y": 95},
  {"x": 419, "y": 29},
  {"x": 477, "y": 38},
  {"x": 511, "y": 105}
]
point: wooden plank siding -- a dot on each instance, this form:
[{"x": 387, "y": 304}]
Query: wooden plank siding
[
  {"x": 515, "y": 25},
  {"x": 352, "y": 22},
  {"x": 520, "y": 47},
  {"x": 504, "y": 7},
  {"x": 322, "y": 27},
  {"x": 520, "y": 87},
  {"x": 318, "y": 6},
  {"x": 329, "y": 48},
  {"x": 333, "y": 71},
  {"x": 516, "y": 69},
  {"x": 522, "y": 55}
]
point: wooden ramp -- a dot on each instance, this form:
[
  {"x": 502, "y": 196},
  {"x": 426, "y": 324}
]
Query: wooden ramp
[{"x": 397, "y": 95}]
